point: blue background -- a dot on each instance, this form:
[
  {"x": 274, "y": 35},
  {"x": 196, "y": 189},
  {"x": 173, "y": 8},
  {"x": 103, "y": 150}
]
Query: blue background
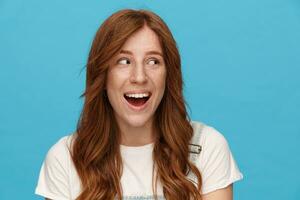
[{"x": 241, "y": 68}]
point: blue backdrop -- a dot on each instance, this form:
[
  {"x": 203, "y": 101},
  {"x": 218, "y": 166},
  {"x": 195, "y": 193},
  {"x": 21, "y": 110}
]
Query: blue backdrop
[{"x": 241, "y": 68}]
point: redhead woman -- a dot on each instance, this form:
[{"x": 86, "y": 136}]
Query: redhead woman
[{"x": 134, "y": 139}]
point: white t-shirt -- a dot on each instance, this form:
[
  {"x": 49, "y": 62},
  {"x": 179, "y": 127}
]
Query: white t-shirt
[{"x": 58, "y": 179}]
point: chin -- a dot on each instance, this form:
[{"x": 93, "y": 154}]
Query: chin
[{"x": 138, "y": 122}]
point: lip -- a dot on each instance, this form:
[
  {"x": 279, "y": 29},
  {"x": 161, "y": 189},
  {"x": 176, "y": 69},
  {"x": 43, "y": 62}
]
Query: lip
[
  {"x": 138, "y": 92},
  {"x": 137, "y": 108}
]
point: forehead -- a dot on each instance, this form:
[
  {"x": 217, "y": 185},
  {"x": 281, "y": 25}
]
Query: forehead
[{"x": 144, "y": 39}]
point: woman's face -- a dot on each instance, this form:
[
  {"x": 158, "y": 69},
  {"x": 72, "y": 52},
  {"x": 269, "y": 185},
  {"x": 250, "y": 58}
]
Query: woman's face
[{"x": 136, "y": 80}]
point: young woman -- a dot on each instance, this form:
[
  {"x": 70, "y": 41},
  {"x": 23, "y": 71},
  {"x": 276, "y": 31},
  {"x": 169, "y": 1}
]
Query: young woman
[{"x": 134, "y": 139}]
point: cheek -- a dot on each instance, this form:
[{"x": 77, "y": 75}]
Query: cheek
[
  {"x": 114, "y": 80},
  {"x": 160, "y": 80},
  {"x": 112, "y": 85}
]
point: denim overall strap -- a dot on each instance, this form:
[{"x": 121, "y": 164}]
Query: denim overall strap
[{"x": 195, "y": 148}]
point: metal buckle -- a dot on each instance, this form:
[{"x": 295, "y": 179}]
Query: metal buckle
[{"x": 197, "y": 148}]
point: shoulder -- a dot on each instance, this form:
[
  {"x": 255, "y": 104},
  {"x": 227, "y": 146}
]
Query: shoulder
[
  {"x": 207, "y": 136},
  {"x": 213, "y": 143},
  {"x": 54, "y": 178},
  {"x": 215, "y": 162},
  {"x": 62, "y": 145},
  {"x": 58, "y": 156}
]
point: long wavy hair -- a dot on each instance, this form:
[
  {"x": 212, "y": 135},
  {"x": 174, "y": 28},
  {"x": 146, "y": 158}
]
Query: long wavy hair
[{"x": 95, "y": 148}]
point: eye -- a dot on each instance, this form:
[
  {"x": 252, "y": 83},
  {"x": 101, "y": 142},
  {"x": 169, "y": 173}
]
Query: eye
[
  {"x": 153, "y": 61},
  {"x": 123, "y": 61}
]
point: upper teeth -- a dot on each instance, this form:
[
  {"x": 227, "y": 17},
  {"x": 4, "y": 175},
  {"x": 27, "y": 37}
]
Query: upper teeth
[{"x": 141, "y": 95}]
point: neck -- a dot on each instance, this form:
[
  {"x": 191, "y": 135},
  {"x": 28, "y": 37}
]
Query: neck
[{"x": 137, "y": 136}]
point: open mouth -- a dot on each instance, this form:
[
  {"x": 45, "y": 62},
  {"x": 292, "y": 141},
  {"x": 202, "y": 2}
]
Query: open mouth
[{"x": 137, "y": 100}]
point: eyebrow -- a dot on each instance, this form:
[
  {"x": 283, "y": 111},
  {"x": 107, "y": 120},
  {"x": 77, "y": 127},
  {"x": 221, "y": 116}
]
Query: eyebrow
[{"x": 147, "y": 53}]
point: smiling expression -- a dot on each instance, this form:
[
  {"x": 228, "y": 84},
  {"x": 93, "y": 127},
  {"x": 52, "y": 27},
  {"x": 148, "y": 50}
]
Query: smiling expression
[{"x": 136, "y": 79}]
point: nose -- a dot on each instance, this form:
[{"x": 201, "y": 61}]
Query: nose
[{"x": 138, "y": 74}]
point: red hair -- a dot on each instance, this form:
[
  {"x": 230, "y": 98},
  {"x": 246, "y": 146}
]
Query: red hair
[{"x": 95, "y": 150}]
